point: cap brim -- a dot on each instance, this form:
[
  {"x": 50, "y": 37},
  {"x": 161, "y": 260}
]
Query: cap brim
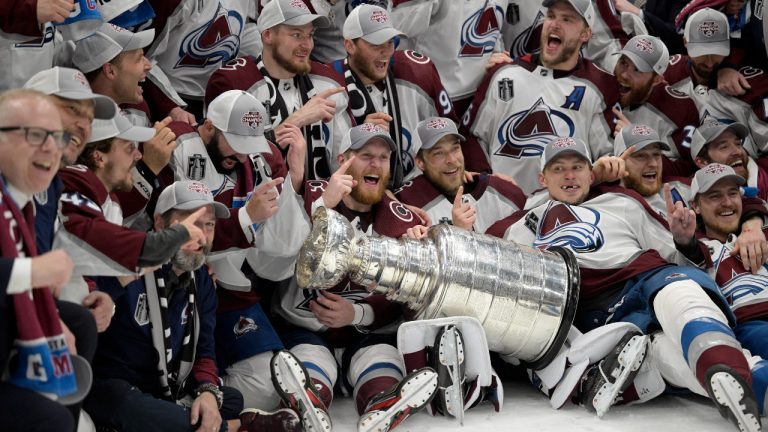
[
  {"x": 640, "y": 64},
  {"x": 104, "y": 107},
  {"x": 645, "y": 143},
  {"x": 83, "y": 378},
  {"x": 247, "y": 144},
  {"x": 384, "y": 136},
  {"x": 735, "y": 177},
  {"x": 141, "y": 39},
  {"x": 739, "y": 129},
  {"x": 382, "y": 36},
  {"x": 437, "y": 138},
  {"x": 220, "y": 210},
  {"x": 712, "y": 48},
  {"x": 138, "y": 133},
  {"x": 565, "y": 153},
  {"x": 318, "y": 20}
]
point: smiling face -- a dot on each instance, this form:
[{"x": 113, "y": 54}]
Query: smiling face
[
  {"x": 129, "y": 68},
  {"x": 443, "y": 164},
  {"x": 370, "y": 169},
  {"x": 644, "y": 168},
  {"x": 29, "y": 168},
  {"x": 370, "y": 62},
  {"x": 186, "y": 260},
  {"x": 289, "y": 48},
  {"x": 567, "y": 178},
  {"x": 634, "y": 86},
  {"x": 77, "y": 119},
  {"x": 726, "y": 149},
  {"x": 563, "y": 33},
  {"x": 720, "y": 209}
]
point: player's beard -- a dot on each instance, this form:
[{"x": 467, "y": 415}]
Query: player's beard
[
  {"x": 635, "y": 182},
  {"x": 125, "y": 184},
  {"x": 217, "y": 158},
  {"x": 366, "y": 196},
  {"x": 190, "y": 261},
  {"x": 704, "y": 74},
  {"x": 448, "y": 187},
  {"x": 637, "y": 96},
  {"x": 567, "y": 50},
  {"x": 365, "y": 69},
  {"x": 289, "y": 64}
]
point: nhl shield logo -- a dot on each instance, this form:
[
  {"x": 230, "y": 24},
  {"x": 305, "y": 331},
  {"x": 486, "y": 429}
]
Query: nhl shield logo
[
  {"x": 196, "y": 167},
  {"x": 506, "y": 91}
]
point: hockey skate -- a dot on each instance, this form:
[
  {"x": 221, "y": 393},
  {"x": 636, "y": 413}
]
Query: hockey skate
[
  {"x": 733, "y": 397},
  {"x": 448, "y": 362},
  {"x": 389, "y": 408},
  {"x": 284, "y": 419},
  {"x": 294, "y": 386},
  {"x": 603, "y": 382}
]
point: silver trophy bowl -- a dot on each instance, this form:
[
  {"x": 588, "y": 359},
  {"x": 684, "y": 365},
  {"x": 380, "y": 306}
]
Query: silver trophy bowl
[{"x": 524, "y": 297}]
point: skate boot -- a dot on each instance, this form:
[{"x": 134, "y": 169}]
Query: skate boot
[
  {"x": 389, "y": 408},
  {"x": 255, "y": 420},
  {"x": 733, "y": 397},
  {"x": 292, "y": 383},
  {"x": 603, "y": 382},
  {"x": 448, "y": 361}
]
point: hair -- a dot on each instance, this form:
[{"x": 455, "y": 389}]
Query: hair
[
  {"x": 86, "y": 157},
  {"x": 92, "y": 75}
]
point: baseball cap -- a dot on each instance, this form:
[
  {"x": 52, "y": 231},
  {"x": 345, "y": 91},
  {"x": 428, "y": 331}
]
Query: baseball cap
[
  {"x": 107, "y": 43},
  {"x": 188, "y": 195},
  {"x": 241, "y": 118},
  {"x": 707, "y": 32},
  {"x": 638, "y": 135},
  {"x": 70, "y": 83},
  {"x": 561, "y": 146},
  {"x": 648, "y": 53},
  {"x": 120, "y": 127},
  {"x": 371, "y": 23},
  {"x": 358, "y": 136},
  {"x": 433, "y": 129},
  {"x": 583, "y": 7},
  {"x": 289, "y": 12},
  {"x": 710, "y": 129},
  {"x": 707, "y": 176}
]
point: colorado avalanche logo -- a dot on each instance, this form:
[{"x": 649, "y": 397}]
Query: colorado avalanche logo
[
  {"x": 709, "y": 28},
  {"x": 738, "y": 285},
  {"x": 571, "y": 227},
  {"x": 243, "y": 326},
  {"x": 526, "y": 133},
  {"x": 529, "y": 41},
  {"x": 215, "y": 42},
  {"x": 480, "y": 32},
  {"x": 253, "y": 119}
]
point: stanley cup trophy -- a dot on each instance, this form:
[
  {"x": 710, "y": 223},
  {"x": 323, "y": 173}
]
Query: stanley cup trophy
[{"x": 524, "y": 297}]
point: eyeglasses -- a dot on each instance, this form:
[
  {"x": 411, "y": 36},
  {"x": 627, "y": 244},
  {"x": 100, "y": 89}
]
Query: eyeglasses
[{"x": 36, "y": 136}]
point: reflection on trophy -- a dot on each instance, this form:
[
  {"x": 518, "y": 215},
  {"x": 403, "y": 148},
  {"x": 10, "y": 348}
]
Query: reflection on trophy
[{"x": 524, "y": 297}]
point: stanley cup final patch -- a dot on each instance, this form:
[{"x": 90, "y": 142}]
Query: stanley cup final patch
[
  {"x": 506, "y": 91},
  {"x": 196, "y": 167}
]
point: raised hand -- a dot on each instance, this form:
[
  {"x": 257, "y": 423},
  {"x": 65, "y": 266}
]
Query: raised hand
[
  {"x": 291, "y": 137},
  {"x": 196, "y": 236},
  {"x": 320, "y": 107},
  {"x": 158, "y": 150},
  {"x": 621, "y": 120},
  {"x": 380, "y": 119},
  {"x": 339, "y": 185},
  {"x": 612, "y": 168},
  {"x": 463, "y": 214},
  {"x": 682, "y": 221},
  {"x": 54, "y": 10},
  {"x": 263, "y": 202}
]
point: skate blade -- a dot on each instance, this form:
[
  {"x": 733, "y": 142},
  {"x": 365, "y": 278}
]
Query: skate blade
[
  {"x": 414, "y": 394},
  {"x": 631, "y": 358},
  {"x": 291, "y": 380},
  {"x": 729, "y": 393}
]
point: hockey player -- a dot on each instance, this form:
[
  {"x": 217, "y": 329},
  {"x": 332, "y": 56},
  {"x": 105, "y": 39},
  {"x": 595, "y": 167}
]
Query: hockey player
[
  {"x": 626, "y": 258},
  {"x": 316, "y": 322},
  {"x": 160, "y": 347},
  {"x": 295, "y": 90},
  {"x": 394, "y": 89},
  {"x": 646, "y": 99},
  {"x": 443, "y": 190},
  {"x": 521, "y": 106}
]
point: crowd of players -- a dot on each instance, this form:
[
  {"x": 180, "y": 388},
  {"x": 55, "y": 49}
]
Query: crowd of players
[{"x": 161, "y": 162}]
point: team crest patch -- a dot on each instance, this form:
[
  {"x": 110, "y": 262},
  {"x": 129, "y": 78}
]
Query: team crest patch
[
  {"x": 196, "y": 167},
  {"x": 141, "y": 315},
  {"x": 676, "y": 276},
  {"x": 564, "y": 142},
  {"x": 198, "y": 188},
  {"x": 243, "y": 326},
  {"x": 298, "y": 4},
  {"x": 370, "y": 128},
  {"x": 644, "y": 45},
  {"x": 253, "y": 119},
  {"x": 437, "y": 123},
  {"x": 506, "y": 91},
  {"x": 401, "y": 211},
  {"x": 709, "y": 28},
  {"x": 379, "y": 17},
  {"x": 714, "y": 169},
  {"x": 641, "y": 130}
]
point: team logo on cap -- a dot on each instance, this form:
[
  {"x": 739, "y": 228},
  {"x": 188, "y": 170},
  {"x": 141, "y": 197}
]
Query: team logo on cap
[
  {"x": 198, "y": 188},
  {"x": 370, "y": 128},
  {"x": 641, "y": 130},
  {"x": 79, "y": 77},
  {"x": 644, "y": 45},
  {"x": 710, "y": 122},
  {"x": 709, "y": 28},
  {"x": 437, "y": 124},
  {"x": 298, "y": 4},
  {"x": 563, "y": 142},
  {"x": 379, "y": 17},
  {"x": 714, "y": 169},
  {"x": 117, "y": 29},
  {"x": 253, "y": 119}
]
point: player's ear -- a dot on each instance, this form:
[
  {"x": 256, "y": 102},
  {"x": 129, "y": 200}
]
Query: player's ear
[
  {"x": 586, "y": 35},
  {"x": 542, "y": 179},
  {"x": 349, "y": 46}
]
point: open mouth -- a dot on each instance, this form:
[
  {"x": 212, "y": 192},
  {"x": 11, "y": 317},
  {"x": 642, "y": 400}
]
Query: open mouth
[
  {"x": 570, "y": 188},
  {"x": 452, "y": 172},
  {"x": 371, "y": 180},
  {"x": 553, "y": 42},
  {"x": 649, "y": 176},
  {"x": 44, "y": 166}
]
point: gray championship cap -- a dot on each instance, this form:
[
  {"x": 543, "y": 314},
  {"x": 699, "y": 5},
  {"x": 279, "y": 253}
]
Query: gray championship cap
[
  {"x": 707, "y": 176},
  {"x": 188, "y": 195},
  {"x": 120, "y": 127},
  {"x": 562, "y": 146},
  {"x": 648, "y": 53},
  {"x": 371, "y": 23},
  {"x": 433, "y": 129},
  {"x": 358, "y": 136},
  {"x": 710, "y": 129},
  {"x": 70, "y": 83},
  {"x": 107, "y": 43},
  {"x": 706, "y": 33},
  {"x": 241, "y": 118},
  {"x": 638, "y": 135},
  {"x": 289, "y": 12},
  {"x": 583, "y": 7}
]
